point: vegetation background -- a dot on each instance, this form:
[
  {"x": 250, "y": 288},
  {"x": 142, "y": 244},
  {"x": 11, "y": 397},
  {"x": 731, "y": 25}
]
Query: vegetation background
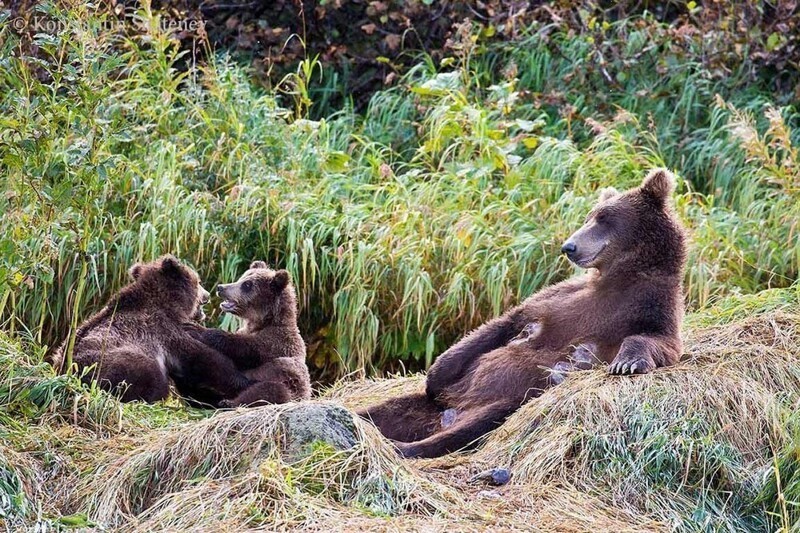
[{"x": 415, "y": 165}]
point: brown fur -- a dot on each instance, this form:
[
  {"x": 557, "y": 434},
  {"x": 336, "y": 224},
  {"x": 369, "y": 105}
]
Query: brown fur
[
  {"x": 268, "y": 348},
  {"x": 136, "y": 341},
  {"x": 626, "y": 311}
]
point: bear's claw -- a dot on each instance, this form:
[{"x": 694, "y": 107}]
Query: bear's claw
[{"x": 630, "y": 365}]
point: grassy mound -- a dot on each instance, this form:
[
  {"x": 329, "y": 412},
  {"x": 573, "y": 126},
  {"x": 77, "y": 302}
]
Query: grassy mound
[
  {"x": 685, "y": 445},
  {"x": 230, "y": 472},
  {"x": 233, "y": 468}
]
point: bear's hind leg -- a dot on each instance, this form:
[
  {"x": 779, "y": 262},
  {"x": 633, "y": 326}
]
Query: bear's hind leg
[
  {"x": 405, "y": 419},
  {"x": 470, "y": 426},
  {"x": 451, "y": 366},
  {"x": 261, "y": 393},
  {"x": 138, "y": 376}
]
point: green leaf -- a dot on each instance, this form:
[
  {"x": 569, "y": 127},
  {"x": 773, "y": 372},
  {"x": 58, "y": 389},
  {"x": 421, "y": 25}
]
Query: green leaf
[
  {"x": 336, "y": 162},
  {"x": 775, "y": 41},
  {"x": 440, "y": 85}
]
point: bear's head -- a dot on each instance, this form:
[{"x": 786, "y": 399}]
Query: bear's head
[
  {"x": 261, "y": 297},
  {"x": 169, "y": 284},
  {"x": 632, "y": 232}
]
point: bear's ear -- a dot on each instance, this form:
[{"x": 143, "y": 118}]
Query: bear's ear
[
  {"x": 280, "y": 280},
  {"x": 659, "y": 185},
  {"x": 135, "y": 271},
  {"x": 170, "y": 265},
  {"x": 607, "y": 193},
  {"x": 258, "y": 264}
]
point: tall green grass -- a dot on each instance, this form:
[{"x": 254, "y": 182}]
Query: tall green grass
[{"x": 441, "y": 205}]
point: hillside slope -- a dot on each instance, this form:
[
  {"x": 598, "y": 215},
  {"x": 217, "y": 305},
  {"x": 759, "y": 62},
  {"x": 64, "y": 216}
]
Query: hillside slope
[{"x": 687, "y": 446}]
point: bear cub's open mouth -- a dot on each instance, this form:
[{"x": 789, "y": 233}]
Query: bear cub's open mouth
[{"x": 227, "y": 306}]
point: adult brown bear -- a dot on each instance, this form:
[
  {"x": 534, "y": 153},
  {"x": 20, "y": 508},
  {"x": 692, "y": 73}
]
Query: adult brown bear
[
  {"x": 136, "y": 342},
  {"x": 626, "y": 311},
  {"x": 268, "y": 348}
]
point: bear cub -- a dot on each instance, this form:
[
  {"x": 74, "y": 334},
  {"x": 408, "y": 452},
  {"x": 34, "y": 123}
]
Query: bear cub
[
  {"x": 268, "y": 348},
  {"x": 137, "y": 342},
  {"x": 626, "y": 311}
]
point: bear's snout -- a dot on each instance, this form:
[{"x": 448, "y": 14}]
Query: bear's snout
[
  {"x": 569, "y": 248},
  {"x": 204, "y": 296},
  {"x": 221, "y": 289}
]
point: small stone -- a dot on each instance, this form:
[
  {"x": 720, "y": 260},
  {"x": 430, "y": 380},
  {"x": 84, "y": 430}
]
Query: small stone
[{"x": 495, "y": 476}]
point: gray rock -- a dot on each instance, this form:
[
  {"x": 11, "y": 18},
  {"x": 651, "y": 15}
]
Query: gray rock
[
  {"x": 493, "y": 476},
  {"x": 309, "y": 422}
]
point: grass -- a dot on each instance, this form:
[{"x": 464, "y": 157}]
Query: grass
[
  {"x": 695, "y": 446},
  {"x": 440, "y": 206},
  {"x": 237, "y": 457}
]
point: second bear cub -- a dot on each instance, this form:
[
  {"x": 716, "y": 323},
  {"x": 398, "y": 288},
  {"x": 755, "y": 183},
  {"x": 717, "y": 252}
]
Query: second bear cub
[{"x": 268, "y": 348}]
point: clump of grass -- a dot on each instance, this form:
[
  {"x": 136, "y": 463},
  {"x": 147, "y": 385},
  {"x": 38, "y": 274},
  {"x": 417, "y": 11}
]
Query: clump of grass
[
  {"x": 688, "y": 445},
  {"x": 232, "y": 469},
  {"x": 31, "y": 389},
  {"x": 781, "y": 493},
  {"x": 358, "y": 393},
  {"x": 15, "y": 474}
]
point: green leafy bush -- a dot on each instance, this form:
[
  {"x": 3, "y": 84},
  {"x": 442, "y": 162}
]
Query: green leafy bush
[{"x": 443, "y": 204}]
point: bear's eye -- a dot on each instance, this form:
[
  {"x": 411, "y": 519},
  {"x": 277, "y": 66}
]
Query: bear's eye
[
  {"x": 247, "y": 285},
  {"x": 601, "y": 217}
]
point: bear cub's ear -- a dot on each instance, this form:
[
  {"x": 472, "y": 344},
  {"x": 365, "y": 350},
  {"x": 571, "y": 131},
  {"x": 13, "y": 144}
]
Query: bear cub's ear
[
  {"x": 607, "y": 193},
  {"x": 280, "y": 280},
  {"x": 659, "y": 184},
  {"x": 258, "y": 264},
  {"x": 170, "y": 264},
  {"x": 135, "y": 271}
]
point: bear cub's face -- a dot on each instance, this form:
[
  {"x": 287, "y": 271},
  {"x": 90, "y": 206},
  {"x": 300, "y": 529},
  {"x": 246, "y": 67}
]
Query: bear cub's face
[
  {"x": 621, "y": 225},
  {"x": 173, "y": 285},
  {"x": 258, "y": 295}
]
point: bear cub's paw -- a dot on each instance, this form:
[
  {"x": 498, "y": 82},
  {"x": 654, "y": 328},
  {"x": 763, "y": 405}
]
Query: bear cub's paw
[{"x": 631, "y": 364}]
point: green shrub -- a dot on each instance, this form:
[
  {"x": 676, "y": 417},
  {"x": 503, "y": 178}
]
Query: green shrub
[{"x": 443, "y": 204}]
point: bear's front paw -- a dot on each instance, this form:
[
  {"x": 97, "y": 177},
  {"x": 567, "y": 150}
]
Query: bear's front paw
[
  {"x": 631, "y": 364},
  {"x": 228, "y": 404}
]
